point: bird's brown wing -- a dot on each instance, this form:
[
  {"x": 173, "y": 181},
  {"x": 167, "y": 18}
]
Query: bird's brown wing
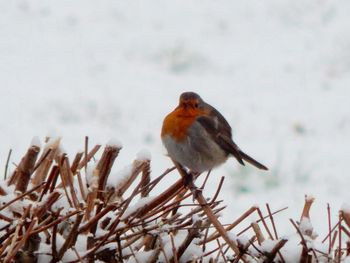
[
  {"x": 223, "y": 138},
  {"x": 225, "y": 142}
]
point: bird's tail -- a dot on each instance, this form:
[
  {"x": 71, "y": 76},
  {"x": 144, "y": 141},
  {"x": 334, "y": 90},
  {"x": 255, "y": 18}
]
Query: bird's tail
[{"x": 250, "y": 160}]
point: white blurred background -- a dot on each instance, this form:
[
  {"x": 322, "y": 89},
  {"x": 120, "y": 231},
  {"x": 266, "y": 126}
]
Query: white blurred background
[{"x": 278, "y": 70}]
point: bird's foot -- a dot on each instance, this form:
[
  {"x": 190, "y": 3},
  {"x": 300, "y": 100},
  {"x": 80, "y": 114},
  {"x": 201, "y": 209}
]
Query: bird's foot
[
  {"x": 187, "y": 180},
  {"x": 196, "y": 192},
  {"x": 189, "y": 184}
]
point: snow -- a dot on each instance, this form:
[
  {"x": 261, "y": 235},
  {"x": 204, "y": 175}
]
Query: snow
[
  {"x": 291, "y": 251},
  {"x": 140, "y": 256},
  {"x": 305, "y": 225},
  {"x": 3, "y": 224},
  {"x": 268, "y": 245},
  {"x": 17, "y": 206},
  {"x": 133, "y": 208},
  {"x": 60, "y": 241},
  {"x": 100, "y": 232},
  {"x": 115, "y": 143},
  {"x": 277, "y": 70},
  {"x": 45, "y": 252},
  {"x": 309, "y": 198},
  {"x": 244, "y": 240},
  {"x": 233, "y": 237},
  {"x": 69, "y": 255},
  {"x": 35, "y": 142},
  {"x": 90, "y": 177},
  {"x": 53, "y": 143},
  {"x": 320, "y": 247},
  {"x": 345, "y": 208},
  {"x": 110, "y": 246},
  {"x": 81, "y": 244},
  {"x": 144, "y": 155},
  {"x": 120, "y": 177},
  {"x": 193, "y": 251},
  {"x": 195, "y": 218}
]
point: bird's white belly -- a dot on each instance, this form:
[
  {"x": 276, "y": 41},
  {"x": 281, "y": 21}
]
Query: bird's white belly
[{"x": 198, "y": 151}]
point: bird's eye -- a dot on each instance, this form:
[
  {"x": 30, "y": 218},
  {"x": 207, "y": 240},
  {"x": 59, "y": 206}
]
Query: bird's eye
[{"x": 196, "y": 105}]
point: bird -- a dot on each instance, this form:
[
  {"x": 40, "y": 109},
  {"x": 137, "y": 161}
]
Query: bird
[{"x": 199, "y": 138}]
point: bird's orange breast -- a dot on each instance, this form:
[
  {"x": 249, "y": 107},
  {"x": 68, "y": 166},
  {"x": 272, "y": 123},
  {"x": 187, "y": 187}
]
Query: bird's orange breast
[{"x": 177, "y": 123}]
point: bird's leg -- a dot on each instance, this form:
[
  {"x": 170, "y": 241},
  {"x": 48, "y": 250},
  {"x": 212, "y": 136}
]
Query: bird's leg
[{"x": 187, "y": 179}]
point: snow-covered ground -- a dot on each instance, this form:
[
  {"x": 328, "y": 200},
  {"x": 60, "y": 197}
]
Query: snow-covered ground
[{"x": 278, "y": 70}]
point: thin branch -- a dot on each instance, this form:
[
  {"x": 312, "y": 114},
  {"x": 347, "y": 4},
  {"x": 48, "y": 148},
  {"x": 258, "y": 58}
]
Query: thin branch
[
  {"x": 7, "y": 163},
  {"x": 21, "y": 196},
  {"x": 201, "y": 200},
  {"x": 272, "y": 221}
]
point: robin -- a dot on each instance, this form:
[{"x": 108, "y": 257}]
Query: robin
[{"x": 198, "y": 137}]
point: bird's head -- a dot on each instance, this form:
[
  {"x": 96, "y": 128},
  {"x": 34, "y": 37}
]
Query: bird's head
[{"x": 190, "y": 101}]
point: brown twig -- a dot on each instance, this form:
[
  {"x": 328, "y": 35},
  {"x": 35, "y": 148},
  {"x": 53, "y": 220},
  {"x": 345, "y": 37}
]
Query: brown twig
[
  {"x": 11, "y": 255},
  {"x": 193, "y": 233},
  {"x": 13, "y": 248},
  {"x": 89, "y": 156},
  {"x": 272, "y": 221},
  {"x": 25, "y": 169},
  {"x": 307, "y": 206},
  {"x": 339, "y": 237},
  {"x": 104, "y": 167},
  {"x": 218, "y": 189},
  {"x": 231, "y": 226},
  {"x": 259, "y": 220},
  {"x": 332, "y": 230},
  {"x": 146, "y": 178},
  {"x": 258, "y": 232},
  {"x": 7, "y": 163},
  {"x": 50, "y": 152},
  {"x": 137, "y": 168},
  {"x": 329, "y": 228},
  {"x": 67, "y": 180},
  {"x": 96, "y": 218},
  {"x": 304, "y": 255},
  {"x": 220, "y": 252},
  {"x": 174, "y": 259},
  {"x": 41, "y": 160},
  {"x": 72, "y": 237},
  {"x": 54, "y": 173},
  {"x": 81, "y": 186},
  {"x": 57, "y": 221},
  {"x": 334, "y": 238},
  {"x": 201, "y": 200},
  {"x": 270, "y": 256},
  {"x": 46, "y": 206},
  {"x": 76, "y": 161},
  {"x": 54, "y": 244},
  {"x": 21, "y": 196},
  {"x": 262, "y": 218}
]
